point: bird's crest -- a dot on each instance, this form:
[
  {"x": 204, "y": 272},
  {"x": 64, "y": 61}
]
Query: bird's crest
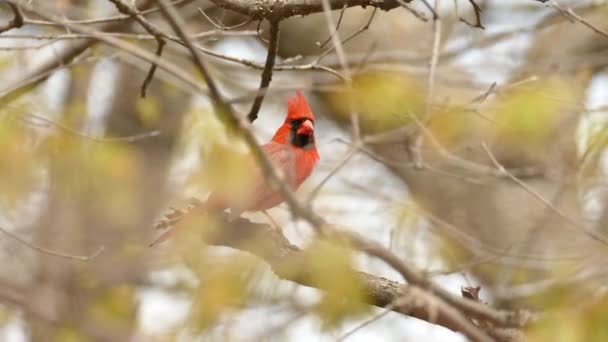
[{"x": 298, "y": 108}]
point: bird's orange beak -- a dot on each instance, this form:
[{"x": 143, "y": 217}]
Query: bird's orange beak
[{"x": 306, "y": 128}]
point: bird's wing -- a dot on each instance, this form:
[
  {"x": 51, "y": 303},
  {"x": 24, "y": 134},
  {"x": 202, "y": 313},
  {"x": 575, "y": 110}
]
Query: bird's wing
[
  {"x": 283, "y": 157},
  {"x": 263, "y": 196}
]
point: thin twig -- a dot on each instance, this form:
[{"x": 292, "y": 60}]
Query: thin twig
[
  {"x": 433, "y": 62},
  {"x": 27, "y": 118},
  {"x": 431, "y": 9},
  {"x": 413, "y": 11},
  {"x": 366, "y": 323},
  {"x": 271, "y": 55},
  {"x": 337, "y": 27},
  {"x": 159, "y": 51},
  {"x": 108, "y": 20},
  {"x": 258, "y": 30},
  {"x": 569, "y": 13},
  {"x": 71, "y": 36},
  {"x": 125, "y": 8},
  {"x": 337, "y": 43},
  {"x": 590, "y": 232},
  {"x": 221, "y": 26},
  {"x": 51, "y": 252},
  {"x": 339, "y": 165},
  {"x": 179, "y": 73},
  {"x": 477, "y": 10},
  {"x": 414, "y": 146},
  {"x": 29, "y": 79}
]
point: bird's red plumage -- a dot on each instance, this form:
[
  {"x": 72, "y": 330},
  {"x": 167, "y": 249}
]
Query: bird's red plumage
[{"x": 293, "y": 162}]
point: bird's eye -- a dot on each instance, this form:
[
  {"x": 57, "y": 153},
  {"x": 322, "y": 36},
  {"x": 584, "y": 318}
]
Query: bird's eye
[{"x": 297, "y": 122}]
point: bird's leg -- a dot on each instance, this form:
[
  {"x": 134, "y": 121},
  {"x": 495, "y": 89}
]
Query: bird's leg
[{"x": 273, "y": 223}]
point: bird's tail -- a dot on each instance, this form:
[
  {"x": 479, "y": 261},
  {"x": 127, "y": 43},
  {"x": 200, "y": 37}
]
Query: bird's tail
[{"x": 171, "y": 218}]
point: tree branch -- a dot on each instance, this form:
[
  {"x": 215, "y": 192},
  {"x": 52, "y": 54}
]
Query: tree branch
[
  {"x": 273, "y": 45},
  {"x": 17, "y": 20},
  {"x": 28, "y": 80},
  {"x": 288, "y": 262},
  {"x": 277, "y": 10},
  {"x": 127, "y": 9},
  {"x": 46, "y": 251}
]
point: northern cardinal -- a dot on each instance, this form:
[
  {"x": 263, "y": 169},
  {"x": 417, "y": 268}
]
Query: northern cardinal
[{"x": 293, "y": 152}]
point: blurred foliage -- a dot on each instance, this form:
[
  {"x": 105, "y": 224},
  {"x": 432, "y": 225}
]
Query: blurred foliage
[
  {"x": 106, "y": 173},
  {"x": 20, "y": 162},
  {"x": 572, "y": 323},
  {"x": 528, "y": 113},
  {"x": 148, "y": 111},
  {"x": 114, "y": 307},
  {"x": 383, "y": 100},
  {"x": 69, "y": 334},
  {"x": 229, "y": 173},
  {"x": 5, "y": 316},
  {"x": 190, "y": 233},
  {"x": 224, "y": 286},
  {"x": 331, "y": 271},
  {"x": 451, "y": 125}
]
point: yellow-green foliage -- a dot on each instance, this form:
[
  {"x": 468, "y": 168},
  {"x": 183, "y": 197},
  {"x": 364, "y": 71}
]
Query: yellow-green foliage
[
  {"x": 451, "y": 125},
  {"x": 148, "y": 111},
  {"x": 228, "y": 172},
  {"x": 69, "y": 334},
  {"x": 224, "y": 286},
  {"x": 529, "y": 113},
  {"x": 331, "y": 271},
  {"x": 19, "y": 163},
  {"x": 106, "y": 174},
  {"x": 114, "y": 307},
  {"x": 5, "y": 316},
  {"x": 382, "y": 100},
  {"x": 568, "y": 324}
]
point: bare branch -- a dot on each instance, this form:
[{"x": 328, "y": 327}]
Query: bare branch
[
  {"x": 477, "y": 10},
  {"x": 569, "y": 13},
  {"x": 590, "y": 232},
  {"x": 273, "y": 45},
  {"x": 29, "y": 80},
  {"x": 51, "y": 252},
  {"x": 413, "y": 11},
  {"x": 272, "y": 10},
  {"x": 288, "y": 262},
  {"x": 221, "y": 26},
  {"x": 337, "y": 28},
  {"x": 159, "y": 51},
  {"x": 37, "y": 121},
  {"x": 108, "y": 20},
  {"x": 71, "y": 52},
  {"x": 125, "y": 8}
]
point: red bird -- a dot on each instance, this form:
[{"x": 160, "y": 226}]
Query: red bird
[{"x": 293, "y": 152}]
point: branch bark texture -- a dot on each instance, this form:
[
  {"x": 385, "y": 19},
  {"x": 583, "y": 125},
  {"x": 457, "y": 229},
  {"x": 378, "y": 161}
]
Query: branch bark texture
[
  {"x": 277, "y": 10},
  {"x": 288, "y": 263}
]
